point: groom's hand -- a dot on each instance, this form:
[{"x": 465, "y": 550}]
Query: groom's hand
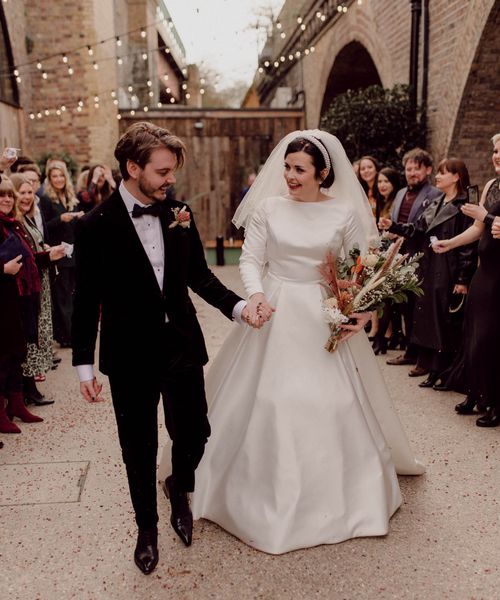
[{"x": 91, "y": 390}]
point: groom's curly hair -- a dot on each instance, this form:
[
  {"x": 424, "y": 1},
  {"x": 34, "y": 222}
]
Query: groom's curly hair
[{"x": 139, "y": 141}]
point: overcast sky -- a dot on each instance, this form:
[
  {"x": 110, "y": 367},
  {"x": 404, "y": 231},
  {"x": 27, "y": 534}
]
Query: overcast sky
[{"x": 219, "y": 34}]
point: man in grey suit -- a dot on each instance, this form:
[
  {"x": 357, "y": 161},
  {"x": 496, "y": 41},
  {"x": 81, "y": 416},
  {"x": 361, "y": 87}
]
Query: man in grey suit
[{"x": 409, "y": 204}]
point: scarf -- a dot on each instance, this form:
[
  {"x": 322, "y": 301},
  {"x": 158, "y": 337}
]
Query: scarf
[{"x": 13, "y": 244}]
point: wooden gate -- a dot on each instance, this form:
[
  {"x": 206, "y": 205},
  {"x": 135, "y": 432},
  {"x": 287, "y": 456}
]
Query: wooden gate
[{"x": 224, "y": 147}]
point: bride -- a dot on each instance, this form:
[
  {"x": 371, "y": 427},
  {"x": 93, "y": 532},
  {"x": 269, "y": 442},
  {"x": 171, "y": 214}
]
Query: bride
[{"x": 305, "y": 444}]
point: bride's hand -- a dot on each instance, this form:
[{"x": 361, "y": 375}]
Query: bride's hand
[
  {"x": 361, "y": 320},
  {"x": 259, "y": 311}
]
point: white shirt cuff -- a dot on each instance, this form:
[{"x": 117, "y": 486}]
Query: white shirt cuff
[
  {"x": 237, "y": 310},
  {"x": 85, "y": 372}
]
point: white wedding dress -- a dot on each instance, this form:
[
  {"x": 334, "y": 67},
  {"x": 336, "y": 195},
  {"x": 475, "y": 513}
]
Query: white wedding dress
[{"x": 305, "y": 444}]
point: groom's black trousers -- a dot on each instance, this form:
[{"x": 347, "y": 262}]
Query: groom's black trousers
[{"x": 135, "y": 399}]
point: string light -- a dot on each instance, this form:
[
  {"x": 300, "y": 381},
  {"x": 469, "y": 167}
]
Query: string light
[
  {"x": 44, "y": 75},
  {"x": 118, "y": 41},
  {"x": 120, "y": 61},
  {"x": 95, "y": 65},
  {"x": 299, "y": 20},
  {"x": 90, "y": 51},
  {"x": 143, "y": 33},
  {"x": 144, "y": 56},
  {"x": 283, "y": 35},
  {"x": 39, "y": 66},
  {"x": 70, "y": 71},
  {"x": 188, "y": 95},
  {"x": 64, "y": 58}
]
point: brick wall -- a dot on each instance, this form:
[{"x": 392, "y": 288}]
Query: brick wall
[{"x": 463, "y": 68}]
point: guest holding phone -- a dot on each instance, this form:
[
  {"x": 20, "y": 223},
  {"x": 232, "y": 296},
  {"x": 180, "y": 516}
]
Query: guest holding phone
[
  {"x": 482, "y": 322},
  {"x": 437, "y": 319}
]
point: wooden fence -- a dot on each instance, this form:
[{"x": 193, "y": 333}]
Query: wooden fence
[{"x": 224, "y": 146}]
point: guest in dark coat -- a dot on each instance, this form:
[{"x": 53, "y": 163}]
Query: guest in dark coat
[
  {"x": 408, "y": 205},
  {"x": 59, "y": 206},
  {"x": 438, "y": 315},
  {"x": 19, "y": 289}
]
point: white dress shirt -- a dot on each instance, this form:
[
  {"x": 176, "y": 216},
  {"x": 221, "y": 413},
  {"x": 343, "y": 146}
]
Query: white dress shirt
[{"x": 149, "y": 231}]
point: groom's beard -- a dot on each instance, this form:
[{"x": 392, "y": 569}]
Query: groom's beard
[{"x": 155, "y": 194}]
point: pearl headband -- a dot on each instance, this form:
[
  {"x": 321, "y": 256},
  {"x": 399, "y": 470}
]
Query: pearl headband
[{"x": 321, "y": 148}]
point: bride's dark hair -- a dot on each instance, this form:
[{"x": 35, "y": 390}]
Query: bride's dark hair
[{"x": 303, "y": 145}]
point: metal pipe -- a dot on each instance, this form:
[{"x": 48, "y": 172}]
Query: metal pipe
[
  {"x": 416, "y": 10},
  {"x": 425, "y": 64}
]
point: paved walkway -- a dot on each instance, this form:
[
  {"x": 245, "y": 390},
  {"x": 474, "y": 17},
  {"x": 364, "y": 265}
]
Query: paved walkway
[{"x": 67, "y": 531}]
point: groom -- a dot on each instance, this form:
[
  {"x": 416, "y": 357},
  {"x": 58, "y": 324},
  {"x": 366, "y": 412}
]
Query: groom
[{"x": 136, "y": 256}]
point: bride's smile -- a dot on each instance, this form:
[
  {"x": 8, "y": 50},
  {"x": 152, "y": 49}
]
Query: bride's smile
[{"x": 301, "y": 178}]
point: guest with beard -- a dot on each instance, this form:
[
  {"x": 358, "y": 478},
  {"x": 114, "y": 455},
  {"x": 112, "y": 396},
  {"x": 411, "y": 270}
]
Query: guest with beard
[
  {"x": 408, "y": 205},
  {"x": 437, "y": 323}
]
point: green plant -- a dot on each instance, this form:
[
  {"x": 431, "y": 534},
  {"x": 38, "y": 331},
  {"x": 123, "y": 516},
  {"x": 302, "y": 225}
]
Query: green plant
[
  {"x": 64, "y": 156},
  {"x": 376, "y": 121}
]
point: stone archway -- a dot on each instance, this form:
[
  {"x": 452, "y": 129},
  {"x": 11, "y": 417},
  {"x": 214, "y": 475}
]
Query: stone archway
[
  {"x": 477, "y": 118},
  {"x": 353, "y": 69}
]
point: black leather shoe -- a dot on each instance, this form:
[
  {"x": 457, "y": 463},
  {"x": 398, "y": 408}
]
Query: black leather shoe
[
  {"x": 37, "y": 401},
  {"x": 146, "y": 550},
  {"x": 490, "y": 419},
  {"x": 466, "y": 407},
  {"x": 181, "y": 517},
  {"x": 429, "y": 382},
  {"x": 441, "y": 387}
]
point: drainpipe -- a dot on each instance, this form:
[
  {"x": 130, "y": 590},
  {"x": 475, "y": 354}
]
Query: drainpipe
[
  {"x": 425, "y": 65},
  {"x": 416, "y": 10}
]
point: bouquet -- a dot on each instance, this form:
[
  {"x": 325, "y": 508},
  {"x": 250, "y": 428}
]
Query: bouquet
[{"x": 363, "y": 282}]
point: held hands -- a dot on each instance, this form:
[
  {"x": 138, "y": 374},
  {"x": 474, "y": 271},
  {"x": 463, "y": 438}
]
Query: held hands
[
  {"x": 69, "y": 216},
  {"x": 474, "y": 211},
  {"x": 442, "y": 246},
  {"x": 384, "y": 223},
  {"x": 257, "y": 311},
  {"x": 13, "y": 266},
  {"x": 57, "y": 252},
  {"x": 361, "y": 320},
  {"x": 460, "y": 288},
  {"x": 495, "y": 228},
  {"x": 91, "y": 390}
]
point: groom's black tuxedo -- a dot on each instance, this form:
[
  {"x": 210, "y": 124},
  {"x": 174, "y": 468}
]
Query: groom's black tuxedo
[{"x": 142, "y": 355}]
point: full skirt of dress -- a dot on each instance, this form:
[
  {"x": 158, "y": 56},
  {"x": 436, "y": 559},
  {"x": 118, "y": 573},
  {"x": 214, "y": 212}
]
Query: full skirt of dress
[{"x": 305, "y": 444}]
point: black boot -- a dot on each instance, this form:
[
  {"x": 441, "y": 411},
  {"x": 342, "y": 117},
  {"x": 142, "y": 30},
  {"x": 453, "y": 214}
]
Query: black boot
[
  {"x": 430, "y": 381},
  {"x": 466, "y": 407},
  {"x": 380, "y": 344},
  {"x": 397, "y": 340},
  {"x": 181, "y": 517},
  {"x": 31, "y": 393},
  {"x": 490, "y": 419}
]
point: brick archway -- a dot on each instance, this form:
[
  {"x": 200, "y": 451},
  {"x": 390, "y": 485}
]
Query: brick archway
[
  {"x": 353, "y": 69},
  {"x": 477, "y": 117}
]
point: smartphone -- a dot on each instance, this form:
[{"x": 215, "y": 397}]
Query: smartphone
[
  {"x": 11, "y": 153},
  {"x": 473, "y": 194}
]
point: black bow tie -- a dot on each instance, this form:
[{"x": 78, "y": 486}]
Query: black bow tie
[{"x": 155, "y": 210}]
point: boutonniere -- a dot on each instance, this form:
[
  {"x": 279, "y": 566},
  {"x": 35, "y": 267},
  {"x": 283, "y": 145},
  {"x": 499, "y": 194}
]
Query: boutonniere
[{"x": 181, "y": 217}]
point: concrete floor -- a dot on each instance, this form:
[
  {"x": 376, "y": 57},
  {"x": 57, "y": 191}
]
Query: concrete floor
[{"x": 67, "y": 528}]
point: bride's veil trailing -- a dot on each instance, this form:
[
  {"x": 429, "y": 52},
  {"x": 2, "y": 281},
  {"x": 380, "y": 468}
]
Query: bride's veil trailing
[{"x": 270, "y": 182}]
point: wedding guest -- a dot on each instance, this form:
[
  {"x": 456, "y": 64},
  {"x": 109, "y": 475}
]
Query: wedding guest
[
  {"x": 32, "y": 173},
  {"x": 482, "y": 323},
  {"x": 19, "y": 293},
  {"x": 408, "y": 205},
  {"x": 387, "y": 185},
  {"x": 367, "y": 175},
  {"x": 59, "y": 206},
  {"x": 39, "y": 358},
  {"x": 437, "y": 324},
  {"x": 82, "y": 181},
  {"x": 100, "y": 186}
]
